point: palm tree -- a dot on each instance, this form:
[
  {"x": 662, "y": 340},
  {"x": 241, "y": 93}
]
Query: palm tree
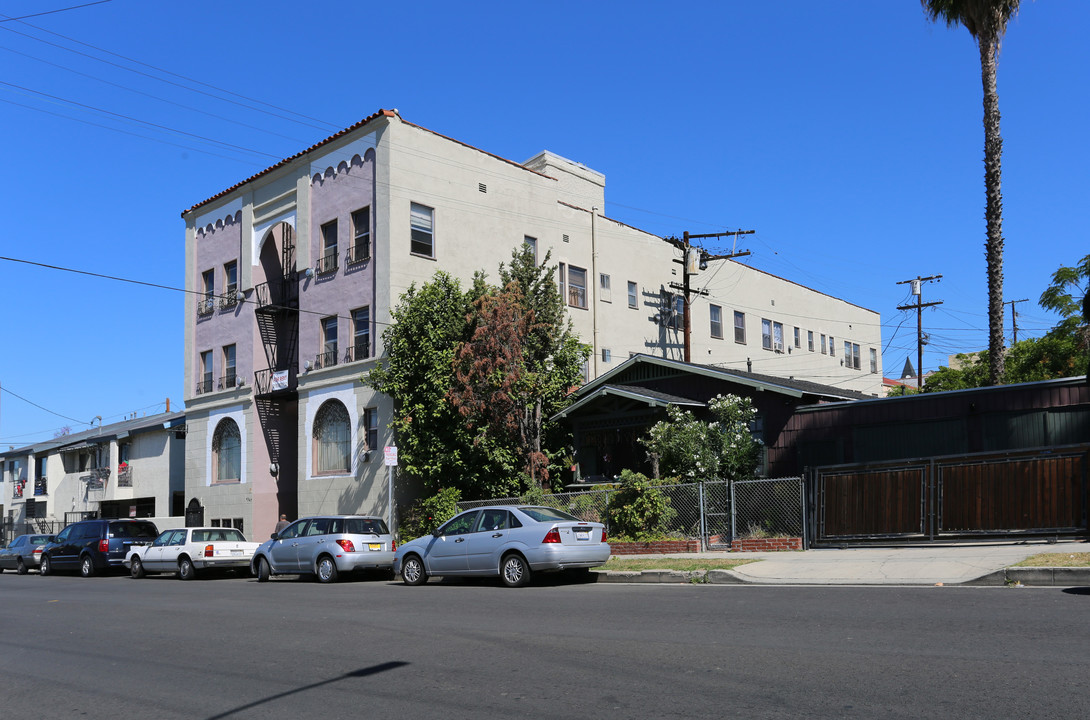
[{"x": 986, "y": 21}]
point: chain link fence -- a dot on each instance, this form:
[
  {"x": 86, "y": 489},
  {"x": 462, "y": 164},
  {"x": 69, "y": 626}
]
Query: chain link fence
[{"x": 715, "y": 511}]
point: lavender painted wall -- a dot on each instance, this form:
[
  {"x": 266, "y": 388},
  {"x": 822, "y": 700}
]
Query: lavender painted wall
[
  {"x": 217, "y": 244},
  {"x": 335, "y": 195}
]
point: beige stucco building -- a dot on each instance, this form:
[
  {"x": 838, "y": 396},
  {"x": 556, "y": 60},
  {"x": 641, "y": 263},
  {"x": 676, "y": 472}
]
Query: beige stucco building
[{"x": 298, "y": 267}]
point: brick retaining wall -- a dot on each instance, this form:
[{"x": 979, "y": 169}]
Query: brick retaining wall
[{"x": 663, "y": 547}]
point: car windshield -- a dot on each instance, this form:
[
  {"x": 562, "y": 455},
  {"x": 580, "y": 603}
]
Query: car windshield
[{"x": 547, "y": 514}]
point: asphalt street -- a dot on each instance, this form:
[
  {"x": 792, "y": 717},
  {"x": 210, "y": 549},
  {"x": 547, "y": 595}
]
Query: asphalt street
[{"x": 110, "y": 647}]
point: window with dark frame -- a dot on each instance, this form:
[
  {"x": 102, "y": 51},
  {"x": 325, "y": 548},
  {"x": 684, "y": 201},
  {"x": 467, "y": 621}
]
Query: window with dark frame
[
  {"x": 361, "y": 334},
  {"x": 361, "y": 236},
  {"x": 370, "y": 422},
  {"x": 810, "y": 340},
  {"x": 421, "y": 223},
  {"x": 766, "y": 334},
  {"x": 531, "y": 245},
  {"x": 328, "y": 356},
  {"x": 873, "y": 360},
  {"x": 328, "y": 261},
  {"x": 577, "y": 287},
  {"x": 208, "y": 285},
  {"x": 229, "y": 378},
  {"x": 204, "y": 385}
]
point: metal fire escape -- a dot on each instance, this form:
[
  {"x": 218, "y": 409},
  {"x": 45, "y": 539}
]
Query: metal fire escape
[{"x": 277, "y": 317}]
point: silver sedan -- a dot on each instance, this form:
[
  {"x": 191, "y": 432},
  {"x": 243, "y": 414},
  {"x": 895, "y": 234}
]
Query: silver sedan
[
  {"x": 510, "y": 541},
  {"x": 23, "y": 553}
]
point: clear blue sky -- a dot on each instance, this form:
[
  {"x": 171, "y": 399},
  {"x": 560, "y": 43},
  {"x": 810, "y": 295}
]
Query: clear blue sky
[{"x": 847, "y": 134}]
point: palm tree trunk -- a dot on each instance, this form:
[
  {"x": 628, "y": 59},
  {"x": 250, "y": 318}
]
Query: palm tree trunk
[{"x": 993, "y": 212}]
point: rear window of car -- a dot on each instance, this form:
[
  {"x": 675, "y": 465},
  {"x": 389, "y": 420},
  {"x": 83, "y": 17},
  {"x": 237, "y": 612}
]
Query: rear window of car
[
  {"x": 222, "y": 534},
  {"x": 547, "y": 514},
  {"x": 41, "y": 539},
  {"x": 134, "y": 530},
  {"x": 359, "y": 526}
]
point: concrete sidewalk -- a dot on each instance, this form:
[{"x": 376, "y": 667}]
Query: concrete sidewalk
[{"x": 963, "y": 564}]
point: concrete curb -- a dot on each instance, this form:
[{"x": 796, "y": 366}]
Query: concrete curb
[
  {"x": 1035, "y": 576},
  {"x": 1029, "y": 576}
]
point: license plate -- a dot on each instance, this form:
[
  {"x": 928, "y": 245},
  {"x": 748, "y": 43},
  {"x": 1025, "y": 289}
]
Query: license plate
[
  {"x": 374, "y": 546},
  {"x": 236, "y": 552},
  {"x": 582, "y": 534}
]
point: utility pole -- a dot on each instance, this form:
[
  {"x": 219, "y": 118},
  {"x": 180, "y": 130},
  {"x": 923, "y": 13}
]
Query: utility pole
[
  {"x": 694, "y": 259},
  {"x": 917, "y": 290},
  {"x": 1014, "y": 317}
]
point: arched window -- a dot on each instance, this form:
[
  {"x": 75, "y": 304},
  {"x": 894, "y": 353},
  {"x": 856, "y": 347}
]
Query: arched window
[
  {"x": 332, "y": 439},
  {"x": 227, "y": 451}
]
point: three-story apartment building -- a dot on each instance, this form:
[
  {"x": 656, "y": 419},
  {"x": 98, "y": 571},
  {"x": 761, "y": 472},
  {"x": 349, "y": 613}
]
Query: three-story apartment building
[{"x": 297, "y": 269}]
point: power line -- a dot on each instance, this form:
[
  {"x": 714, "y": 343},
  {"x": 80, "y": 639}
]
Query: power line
[{"x": 52, "y": 12}]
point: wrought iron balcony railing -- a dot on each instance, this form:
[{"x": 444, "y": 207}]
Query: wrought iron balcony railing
[
  {"x": 325, "y": 359},
  {"x": 229, "y": 381},
  {"x": 206, "y": 305},
  {"x": 41, "y": 486},
  {"x": 271, "y": 381},
  {"x": 360, "y": 252},
  {"x": 278, "y": 293},
  {"x": 359, "y": 351},
  {"x": 124, "y": 475},
  {"x": 327, "y": 263},
  {"x": 204, "y": 385}
]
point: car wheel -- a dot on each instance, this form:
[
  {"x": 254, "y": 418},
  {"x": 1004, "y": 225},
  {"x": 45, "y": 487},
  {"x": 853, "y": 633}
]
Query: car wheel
[
  {"x": 186, "y": 571},
  {"x": 44, "y": 568},
  {"x": 412, "y": 571},
  {"x": 514, "y": 571},
  {"x": 136, "y": 567},
  {"x": 87, "y": 566},
  {"x": 20, "y": 568},
  {"x": 263, "y": 570},
  {"x": 327, "y": 569}
]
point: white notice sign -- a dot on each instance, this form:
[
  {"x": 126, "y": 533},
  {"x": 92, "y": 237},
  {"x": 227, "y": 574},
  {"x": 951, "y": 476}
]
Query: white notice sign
[
  {"x": 391, "y": 455},
  {"x": 280, "y": 380}
]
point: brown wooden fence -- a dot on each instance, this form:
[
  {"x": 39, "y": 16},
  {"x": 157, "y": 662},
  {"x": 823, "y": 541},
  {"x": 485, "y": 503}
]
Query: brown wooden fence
[{"x": 1042, "y": 491}]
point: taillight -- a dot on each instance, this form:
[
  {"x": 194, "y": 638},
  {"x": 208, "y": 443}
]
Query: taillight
[
  {"x": 104, "y": 545},
  {"x": 346, "y": 545},
  {"x": 208, "y": 551},
  {"x": 37, "y": 551},
  {"x": 603, "y": 534},
  {"x": 393, "y": 545},
  {"x": 553, "y": 536}
]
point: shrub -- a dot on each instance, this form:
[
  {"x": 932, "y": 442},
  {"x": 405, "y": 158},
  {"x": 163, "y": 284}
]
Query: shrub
[
  {"x": 428, "y": 513},
  {"x": 639, "y": 509}
]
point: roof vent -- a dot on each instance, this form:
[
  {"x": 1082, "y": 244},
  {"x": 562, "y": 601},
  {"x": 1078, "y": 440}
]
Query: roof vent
[{"x": 482, "y": 187}]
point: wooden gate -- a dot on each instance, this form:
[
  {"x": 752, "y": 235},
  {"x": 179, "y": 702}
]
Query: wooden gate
[{"x": 1041, "y": 492}]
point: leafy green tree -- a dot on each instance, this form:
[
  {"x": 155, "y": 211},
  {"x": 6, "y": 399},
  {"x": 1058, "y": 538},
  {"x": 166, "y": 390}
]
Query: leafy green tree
[
  {"x": 429, "y": 323},
  {"x": 428, "y": 513},
  {"x": 692, "y": 449},
  {"x": 986, "y": 21}
]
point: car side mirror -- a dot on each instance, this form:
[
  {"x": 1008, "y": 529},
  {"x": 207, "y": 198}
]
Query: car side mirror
[
  {"x": 435, "y": 532},
  {"x": 274, "y": 536}
]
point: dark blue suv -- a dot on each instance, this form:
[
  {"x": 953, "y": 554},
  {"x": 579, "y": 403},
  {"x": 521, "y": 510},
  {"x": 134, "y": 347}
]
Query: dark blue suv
[{"x": 92, "y": 546}]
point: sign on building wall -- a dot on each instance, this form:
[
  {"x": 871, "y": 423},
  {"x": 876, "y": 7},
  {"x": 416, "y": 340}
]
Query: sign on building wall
[
  {"x": 280, "y": 380},
  {"x": 390, "y": 455}
]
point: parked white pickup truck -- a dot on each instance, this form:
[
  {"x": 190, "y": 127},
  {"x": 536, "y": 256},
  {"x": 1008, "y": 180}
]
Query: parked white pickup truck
[{"x": 187, "y": 550}]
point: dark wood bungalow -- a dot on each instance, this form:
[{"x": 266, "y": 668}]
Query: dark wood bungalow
[{"x": 615, "y": 410}]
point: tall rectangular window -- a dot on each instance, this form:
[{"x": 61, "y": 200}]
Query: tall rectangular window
[
  {"x": 577, "y": 287},
  {"x": 328, "y": 261},
  {"x": 766, "y": 334},
  {"x": 633, "y": 295},
  {"x": 205, "y": 383},
  {"x": 361, "y": 236},
  {"x": 798, "y": 338},
  {"x": 531, "y": 245},
  {"x": 873, "y": 360},
  {"x": 822, "y": 344},
  {"x": 716, "y": 313},
  {"x": 230, "y": 274},
  {"x": 208, "y": 286},
  {"x": 328, "y": 357},
  {"x": 832, "y": 346},
  {"x": 739, "y": 327},
  {"x": 810, "y": 340},
  {"x": 370, "y": 421},
  {"x": 777, "y": 337},
  {"x": 847, "y": 354},
  {"x": 228, "y": 366},
  {"x": 421, "y": 219},
  {"x": 603, "y": 288},
  {"x": 855, "y": 356},
  {"x": 562, "y": 279},
  {"x": 607, "y": 355},
  {"x": 361, "y": 333}
]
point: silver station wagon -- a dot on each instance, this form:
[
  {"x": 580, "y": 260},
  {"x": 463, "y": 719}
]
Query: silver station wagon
[
  {"x": 510, "y": 541},
  {"x": 326, "y": 547}
]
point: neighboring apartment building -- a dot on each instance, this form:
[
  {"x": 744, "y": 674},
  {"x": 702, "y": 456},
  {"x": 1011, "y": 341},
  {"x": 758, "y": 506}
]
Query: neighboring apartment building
[
  {"x": 299, "y": 267},
  {"x": 132, "y": 468}
]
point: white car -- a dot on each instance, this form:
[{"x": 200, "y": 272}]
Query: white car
[{"x": 187, "y": 550}]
